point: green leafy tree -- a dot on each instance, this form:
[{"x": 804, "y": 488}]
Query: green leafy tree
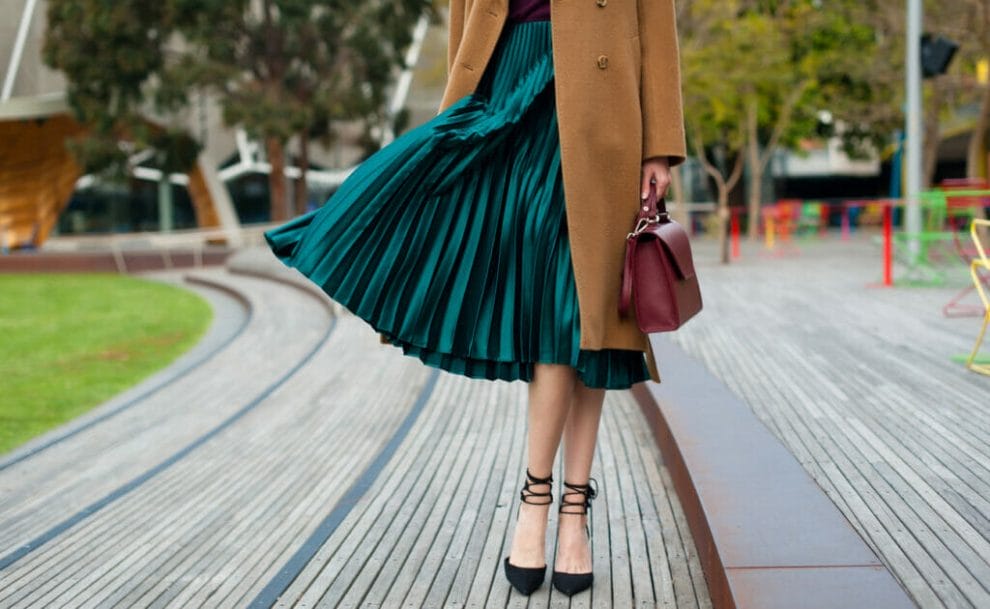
[
  {"x": 759, "y": 72},
  {"x": 826, "y": 59},
  {"x": 279, "y": 68},
  {"x": 111, "y": 54},
  {"x": 293, "y": 67},
  {"x": 979, "y": 45},
  {"x": 966, "y": 22},
  {"x": 949, "y": 97},
  {"x": 717, "y": 66}
]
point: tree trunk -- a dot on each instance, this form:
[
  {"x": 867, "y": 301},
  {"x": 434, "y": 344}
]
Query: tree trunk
[
  {"x": 723, "y": 187},
  {"x": 976, "y": 159},
  {"x": 724, "y": 184},
  {"x": 302, "y": 190},
  {"x": 723, "y": 222},
  {"x": 755, "y": 163},
  {"x": 275, "y": 148}
]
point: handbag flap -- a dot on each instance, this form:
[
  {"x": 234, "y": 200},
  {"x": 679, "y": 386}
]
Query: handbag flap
[{"x": 675, "y": 240}]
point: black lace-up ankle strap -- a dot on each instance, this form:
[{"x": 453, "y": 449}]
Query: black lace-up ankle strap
[
  {"x": 587, "y": 491},
  {"x": 527, "y": 493}
]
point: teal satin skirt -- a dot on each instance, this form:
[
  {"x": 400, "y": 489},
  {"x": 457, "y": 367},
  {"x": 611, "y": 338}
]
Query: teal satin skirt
[{"x": 452, "y": 240}]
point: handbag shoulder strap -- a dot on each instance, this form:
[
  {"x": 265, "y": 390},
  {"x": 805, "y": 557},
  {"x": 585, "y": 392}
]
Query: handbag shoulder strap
[{"x": 625, "y": 295}]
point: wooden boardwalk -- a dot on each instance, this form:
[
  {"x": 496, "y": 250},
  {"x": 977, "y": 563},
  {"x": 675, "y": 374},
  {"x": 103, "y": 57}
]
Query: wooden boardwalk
[
  {"x": 859, "y": 383},
  {"x": 293, "y": 461}
]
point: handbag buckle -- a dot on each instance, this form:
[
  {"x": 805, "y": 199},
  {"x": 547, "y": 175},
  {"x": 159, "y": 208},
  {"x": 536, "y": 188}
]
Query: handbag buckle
[{"x": 642, "y": 223}]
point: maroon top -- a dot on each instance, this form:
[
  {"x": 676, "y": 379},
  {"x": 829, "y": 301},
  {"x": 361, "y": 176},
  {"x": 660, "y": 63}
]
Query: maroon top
[{"x": 529, "y": 10}]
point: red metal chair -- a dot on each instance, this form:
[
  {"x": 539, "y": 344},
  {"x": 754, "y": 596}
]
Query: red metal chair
[{"x": 961, "y": 209}]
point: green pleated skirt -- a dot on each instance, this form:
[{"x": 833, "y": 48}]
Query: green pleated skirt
[{"x": 452, "y": 240}]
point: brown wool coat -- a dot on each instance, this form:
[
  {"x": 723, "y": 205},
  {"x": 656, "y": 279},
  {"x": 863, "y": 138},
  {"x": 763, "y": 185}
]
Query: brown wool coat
[{"x": 618, "y": 92}]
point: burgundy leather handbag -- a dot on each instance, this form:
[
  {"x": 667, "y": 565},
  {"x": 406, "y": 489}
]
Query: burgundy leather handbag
[{"x": 658, "y": 276}]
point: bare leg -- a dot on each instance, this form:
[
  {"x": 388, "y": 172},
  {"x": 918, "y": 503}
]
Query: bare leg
[
  {"x": 550, "y": 397},
  {"x": 580, "y": 437}
]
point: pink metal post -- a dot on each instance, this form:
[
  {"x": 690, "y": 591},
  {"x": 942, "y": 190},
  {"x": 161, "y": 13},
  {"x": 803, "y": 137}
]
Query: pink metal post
[
  {"x": 846, "y": 230},
  {"x": 736, "y": 250},
  {"x": 888, "y": 244}
]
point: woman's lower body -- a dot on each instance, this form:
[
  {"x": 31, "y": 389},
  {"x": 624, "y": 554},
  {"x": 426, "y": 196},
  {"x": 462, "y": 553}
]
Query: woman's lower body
[
  {"x": 452, "y": 240},
  {"x": 452, "y": 243}
]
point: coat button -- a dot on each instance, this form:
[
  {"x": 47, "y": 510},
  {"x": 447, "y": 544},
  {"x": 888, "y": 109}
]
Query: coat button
[
  {"x": 601, "y": 3},
  {"x": 602, "y": 62}
]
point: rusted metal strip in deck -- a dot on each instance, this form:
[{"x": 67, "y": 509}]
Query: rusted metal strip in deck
[{"x": 859, "y": 384}]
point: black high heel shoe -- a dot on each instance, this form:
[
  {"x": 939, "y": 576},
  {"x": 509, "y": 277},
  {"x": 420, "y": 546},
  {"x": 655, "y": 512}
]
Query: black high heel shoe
[
  {"x": 528, "y": 579},
  {"x": 572, "y": 583}
]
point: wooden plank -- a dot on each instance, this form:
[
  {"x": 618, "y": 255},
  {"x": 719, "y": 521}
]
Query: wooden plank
[
  {"x": 301, "y": 455},
  {"x": 665, "y": 556},
  {"x": 466, "y": 531},
  {"x": 38, "y": 464},
  {"x": 214, "y": 529},
  {"x": 640, "y": 579},
  {"x": 44, "y": 490},
  {"x": 359, "y": 538},
  {"x": 356, "y": 439},
  {"x": 423, "y": 526},
  {"x": 487, "y": 585},
  {"x": 443, "y": 557},
  {"x": 392, "y": 550},
  {"x": 858, "y": 383}
]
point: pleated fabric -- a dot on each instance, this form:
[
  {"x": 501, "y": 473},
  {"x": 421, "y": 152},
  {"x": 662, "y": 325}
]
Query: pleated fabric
[{"x": 452, "y": 240}]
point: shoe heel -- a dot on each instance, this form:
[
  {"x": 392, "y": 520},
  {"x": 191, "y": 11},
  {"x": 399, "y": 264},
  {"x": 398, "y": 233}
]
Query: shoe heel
[
  {"x": 527, "y": 579},
  {"x": 573, "y": 583}
]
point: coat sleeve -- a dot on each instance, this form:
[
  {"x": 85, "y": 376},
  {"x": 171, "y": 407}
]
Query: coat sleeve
[{"x": 660, "y": 93}]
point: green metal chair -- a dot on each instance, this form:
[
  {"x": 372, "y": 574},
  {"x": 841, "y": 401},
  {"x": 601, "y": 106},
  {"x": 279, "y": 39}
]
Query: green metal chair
[{"x": 936, "y": 256}]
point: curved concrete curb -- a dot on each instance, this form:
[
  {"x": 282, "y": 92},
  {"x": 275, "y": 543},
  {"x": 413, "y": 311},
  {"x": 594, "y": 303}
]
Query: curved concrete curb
[
  {"x": 106, "y": 262},
  {"x": 767, "y": 535}
]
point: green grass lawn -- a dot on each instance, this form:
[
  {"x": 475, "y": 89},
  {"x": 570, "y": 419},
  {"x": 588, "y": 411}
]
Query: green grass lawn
[{"x": 70, "y": 342}]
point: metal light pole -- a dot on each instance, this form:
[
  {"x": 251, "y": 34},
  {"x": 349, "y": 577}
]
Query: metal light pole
[
  {"x": 914, "y": 144},
  {"x": 18, "y": 50}
]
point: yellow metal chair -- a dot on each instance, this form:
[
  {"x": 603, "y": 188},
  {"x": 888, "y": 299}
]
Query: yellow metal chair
[{"x": 980, "y": 264}]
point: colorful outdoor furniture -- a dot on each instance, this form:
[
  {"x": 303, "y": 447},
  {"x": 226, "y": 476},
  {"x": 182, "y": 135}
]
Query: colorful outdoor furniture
[
  {"x": 980, "y": 270},
  {"x": 925, "y": 264},
  {"x": 780, "y": 222},
  {"x": 872, "y": 214},
  {"x": 945, "y": 213},
  {"x": 960, "y": 212},
  {"x": 812, "y": 218}
]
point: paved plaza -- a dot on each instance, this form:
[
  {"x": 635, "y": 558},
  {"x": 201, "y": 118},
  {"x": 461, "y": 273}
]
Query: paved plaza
[
  {"x": 292, "y": 460},
  {"x": 860, "y": 384}
]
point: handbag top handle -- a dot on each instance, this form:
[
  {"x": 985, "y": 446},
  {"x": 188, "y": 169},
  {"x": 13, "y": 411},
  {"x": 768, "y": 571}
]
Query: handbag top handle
[
  {"x": 651, "y": 211},
  {"x": 654, "y": 207}
]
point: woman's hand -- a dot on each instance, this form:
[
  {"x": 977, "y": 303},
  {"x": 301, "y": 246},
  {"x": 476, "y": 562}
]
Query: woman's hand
[{"x": 656, "y": 170}]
